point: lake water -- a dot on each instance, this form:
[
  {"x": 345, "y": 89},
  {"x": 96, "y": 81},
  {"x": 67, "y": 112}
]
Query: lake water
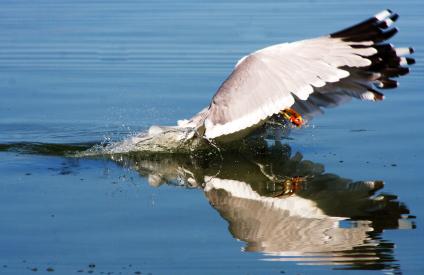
[{"x": 78, "y": 73}]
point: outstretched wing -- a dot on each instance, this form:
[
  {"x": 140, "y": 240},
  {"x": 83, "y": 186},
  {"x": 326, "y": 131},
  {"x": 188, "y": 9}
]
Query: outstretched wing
[{"x": 307, "y": 75}]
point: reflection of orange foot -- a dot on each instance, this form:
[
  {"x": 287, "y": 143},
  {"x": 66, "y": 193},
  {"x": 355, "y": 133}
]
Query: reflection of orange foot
[
  {"x": 292, "y": 116},
  {"x": 291, "y": 186},
  {"x": 297, "y": 183}
]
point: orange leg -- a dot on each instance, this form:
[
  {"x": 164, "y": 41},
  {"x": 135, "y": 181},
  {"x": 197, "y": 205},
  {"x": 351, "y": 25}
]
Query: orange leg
[{"x": 292, "y": 116}]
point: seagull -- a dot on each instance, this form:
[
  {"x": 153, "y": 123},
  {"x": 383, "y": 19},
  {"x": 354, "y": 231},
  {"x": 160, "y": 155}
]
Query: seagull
[{"x": 292, "y": 82}]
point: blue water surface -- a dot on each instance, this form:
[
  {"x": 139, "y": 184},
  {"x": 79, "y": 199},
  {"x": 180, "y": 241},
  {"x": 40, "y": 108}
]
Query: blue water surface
[{"x": 92, "y": 71}]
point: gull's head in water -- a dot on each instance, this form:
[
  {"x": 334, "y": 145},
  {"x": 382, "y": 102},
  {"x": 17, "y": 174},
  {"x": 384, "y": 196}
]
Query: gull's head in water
[{"x": 289, "y": 83}]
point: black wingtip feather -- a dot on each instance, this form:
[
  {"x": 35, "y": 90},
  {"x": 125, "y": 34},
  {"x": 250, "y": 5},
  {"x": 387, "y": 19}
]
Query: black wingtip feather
[
  {"x": 395, "y": 72},
  {"x": 410, "y": 61},
  {"x": 387, "y": 34},
  {"x": 384, "y": 49},
  {"x": 360, "y": 27},
  {"x": 377, "y": 94},
  {"x": 394, "y": 17},
  {"x": 388, "y": 84}
]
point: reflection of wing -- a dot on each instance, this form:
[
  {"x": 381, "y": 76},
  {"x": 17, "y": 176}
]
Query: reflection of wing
[
  {"x": 289, "y": 226},
  {"x": 307, "y": 75}
]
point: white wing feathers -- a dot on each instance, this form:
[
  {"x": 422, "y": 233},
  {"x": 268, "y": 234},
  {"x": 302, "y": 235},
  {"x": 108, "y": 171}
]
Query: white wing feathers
[{"x": 264, "y": 82}]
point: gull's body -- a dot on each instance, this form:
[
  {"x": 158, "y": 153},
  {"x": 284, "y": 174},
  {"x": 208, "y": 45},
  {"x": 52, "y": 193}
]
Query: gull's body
[{"x": 302, "y": 76}]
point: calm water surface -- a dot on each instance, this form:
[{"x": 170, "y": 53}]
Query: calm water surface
[{"x": 344, "y": 193}]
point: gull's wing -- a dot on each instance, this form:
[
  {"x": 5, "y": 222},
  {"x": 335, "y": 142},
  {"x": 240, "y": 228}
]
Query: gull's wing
[{"x": 307, "y": 75}]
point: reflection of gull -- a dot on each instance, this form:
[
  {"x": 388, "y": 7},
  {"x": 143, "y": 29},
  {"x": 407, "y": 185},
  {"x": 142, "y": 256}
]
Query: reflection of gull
[
  {"x": 288, "y": 81},
  {"x": 321, "y": 219}
]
